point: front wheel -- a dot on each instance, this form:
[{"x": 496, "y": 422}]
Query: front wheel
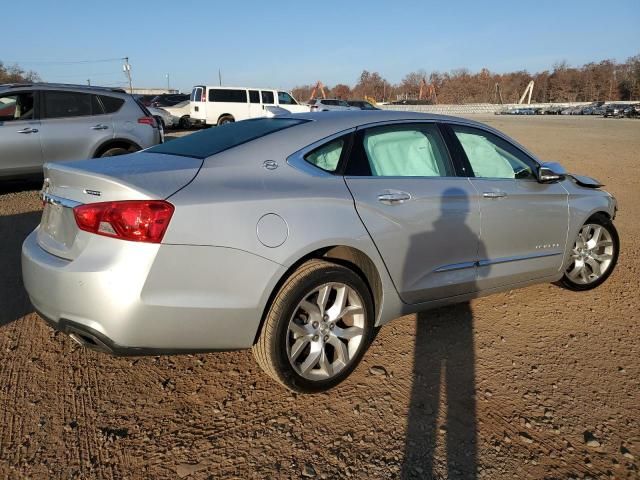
[
  {"x": 317, "y": 328},
  {"x": 594, "y": 255}
]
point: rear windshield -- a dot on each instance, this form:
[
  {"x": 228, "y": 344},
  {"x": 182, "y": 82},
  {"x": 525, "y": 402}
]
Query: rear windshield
[{"x": 217, "y": 139}]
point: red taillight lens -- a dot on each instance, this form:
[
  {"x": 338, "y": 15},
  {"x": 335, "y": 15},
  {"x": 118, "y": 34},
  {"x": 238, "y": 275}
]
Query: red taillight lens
[
  {"x": 135, "y": 220},
  {"x": 148, "y": 121}
]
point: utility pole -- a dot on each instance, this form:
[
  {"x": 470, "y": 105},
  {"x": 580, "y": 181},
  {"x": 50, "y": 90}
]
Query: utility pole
[
  {"x": 168, "y": 84},
  {"x": 219, "y": 77},
  {"x": 126, "y": 68},
  {"x": 89, "y": 81}
]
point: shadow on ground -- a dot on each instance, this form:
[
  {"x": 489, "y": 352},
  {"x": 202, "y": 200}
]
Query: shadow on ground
[{"x": 14, "y": 303}]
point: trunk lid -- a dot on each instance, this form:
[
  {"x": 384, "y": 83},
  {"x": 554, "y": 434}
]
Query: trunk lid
[{"x": 138, "y": 176}]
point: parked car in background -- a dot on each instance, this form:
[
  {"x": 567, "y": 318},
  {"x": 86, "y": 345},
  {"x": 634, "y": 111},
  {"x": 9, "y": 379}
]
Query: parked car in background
[
  {"x": 632, "y": 111},
  {"x": 144, "y": 99},
  {"x": 164, "y": 118},
  {"x": 362, "y": 105},
  {"x": 168, "y": 99},
  {"x": 45, "y": 122},
  {"x": 219, "y": 105},
  {"x": 299, "y": 235},
  {"x": 182, "y": 111},
  {"x": 614, "y": 110},
  {"x": 330, "y": 104}
]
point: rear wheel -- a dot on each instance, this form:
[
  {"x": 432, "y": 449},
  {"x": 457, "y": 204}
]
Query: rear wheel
[
  {"x": 594, "y": 255},
  {"x": 112, "y": 152},
  {"x": 317, "y": 328},
  {"x": 225, "y": 119},
  {"x": 184, "y": 123}
]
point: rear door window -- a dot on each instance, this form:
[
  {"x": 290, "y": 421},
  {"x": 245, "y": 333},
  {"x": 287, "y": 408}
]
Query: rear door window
[
  {"x": 227, "y": 95},
  {"x": 67, "y": 104},
  {"x": 111, "y": 104},
  {"x": 267, "y": 97}
]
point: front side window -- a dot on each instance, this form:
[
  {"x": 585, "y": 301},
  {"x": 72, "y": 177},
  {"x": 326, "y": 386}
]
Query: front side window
[
  {"x": 196, "y": 94},
  {"x": 406, "y": 151},
  {"x": 327, "y": 156},
  {"x": 267, "y": 97},
  {"x": 67, "y": 104},
  {"x": 17, "y": 106},
  {"x": 285, "y": 99},
  {"x": 227, "y": 95},
  {"x": 491, "y": 156}
]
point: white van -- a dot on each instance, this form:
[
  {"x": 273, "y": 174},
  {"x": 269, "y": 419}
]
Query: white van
[{"x": 219, "y": 105}]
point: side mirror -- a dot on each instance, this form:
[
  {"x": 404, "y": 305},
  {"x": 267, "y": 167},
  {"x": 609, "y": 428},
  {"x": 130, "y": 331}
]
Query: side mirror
[{"x": 550, "y": 172}]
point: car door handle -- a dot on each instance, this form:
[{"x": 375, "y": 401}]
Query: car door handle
[
  {"x": 99, "y": 127},
  {"x": 393, "y": 198},
  {"x": 495, "y": 195},
  {"x": 28, "y": 130}
]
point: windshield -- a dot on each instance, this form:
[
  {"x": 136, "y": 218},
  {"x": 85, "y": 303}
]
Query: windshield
[{"x": 217, "y": 139}]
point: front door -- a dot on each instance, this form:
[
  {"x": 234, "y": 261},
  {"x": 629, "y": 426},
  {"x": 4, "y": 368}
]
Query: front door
[
  {"x": 20, "y": 150},
  {"x": 421, "y": 217},
  {"x": 524, "y": 222}
]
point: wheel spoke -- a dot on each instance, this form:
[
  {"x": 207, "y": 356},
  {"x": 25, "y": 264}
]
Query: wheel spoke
[
  {"x": 323, "y": 297},
  {"x": 347, "y": 333},
  {"x": 311, "y": 309},
  {"x": 342, "y": 294},
  {"x": 604, "y": 243},
  {"x": 575, "y": 271},
  {"x": 313, "y": 358},
  {"x": 342, "y": 352},
  {"x": 595, "y": 266},
  {"x": 593, "y": 241},
  {"x": 300, "y": 329},
  {"x": 602, "y": 257},
  {"x": 325, "y": 363},
  {"x": 298, "y": 347}
]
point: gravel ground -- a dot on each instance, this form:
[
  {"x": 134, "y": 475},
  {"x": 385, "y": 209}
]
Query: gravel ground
[{"x": 532, "y": 383}]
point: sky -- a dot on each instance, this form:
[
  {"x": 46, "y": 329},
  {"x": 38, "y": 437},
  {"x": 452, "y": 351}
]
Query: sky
[{"x": 283, "y": 44}]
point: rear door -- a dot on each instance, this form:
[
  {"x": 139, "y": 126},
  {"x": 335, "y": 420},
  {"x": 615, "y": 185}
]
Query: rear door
[
  {"x": 419, "y": 214},
  {"x": 20, "y": 150},
  {"x": 256, "y": 109},
  {"x": 198, "y": 103},
  {"x": 73, "y": 125},
  {"x": 524, "y": 223}
]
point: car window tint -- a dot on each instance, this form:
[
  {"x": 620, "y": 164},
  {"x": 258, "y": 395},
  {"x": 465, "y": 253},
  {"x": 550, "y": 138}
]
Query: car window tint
[
  {"x": 66, "y": 104},
  {"x": 491, "y": 156},
  {"x": 215, "y": 140},
  {"x": 111, "y": 104},
  {"x": 267, "y": 97},
  {"x": 227, "y": 95},
  {"x": 254, "y": 96},
  {"x": 406, "y": 151},
  {"x": 327, "y": 156},
  {"x": 285, "y": 99},
  {"x": 18, "y": 106},
  {"x": 96, "y": 106}
]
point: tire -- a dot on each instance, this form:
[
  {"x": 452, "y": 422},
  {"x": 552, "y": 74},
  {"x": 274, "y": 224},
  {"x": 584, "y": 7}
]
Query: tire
[
  {"x": 184, "y": 123},
  {"x": 112, "y": 152},
  {"x": 314, "y": 335},
  {"x": 604, "y": 253},
  {"x": 225, "y": 119}
]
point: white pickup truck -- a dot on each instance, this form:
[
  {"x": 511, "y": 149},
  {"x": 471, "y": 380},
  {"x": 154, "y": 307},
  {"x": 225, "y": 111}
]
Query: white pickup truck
[{"x": 219, "y": 105}]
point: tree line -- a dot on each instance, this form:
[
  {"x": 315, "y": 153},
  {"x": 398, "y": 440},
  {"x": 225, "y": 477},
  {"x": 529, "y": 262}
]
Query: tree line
[
  {"x": 606, "y": 80},
  {"x": 15, "y": 74}
]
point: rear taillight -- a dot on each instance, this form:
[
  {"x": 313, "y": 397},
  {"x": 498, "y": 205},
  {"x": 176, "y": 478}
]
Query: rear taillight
[
  {"x": 135, "y": 220},
  {"x": 148, "y": 121}
]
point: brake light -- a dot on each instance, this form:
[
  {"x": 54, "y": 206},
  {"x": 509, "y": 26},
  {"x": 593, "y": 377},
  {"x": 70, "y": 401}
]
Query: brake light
[
  {"x": 134, "y": 220},
  {"x": 148, "y": 121}
]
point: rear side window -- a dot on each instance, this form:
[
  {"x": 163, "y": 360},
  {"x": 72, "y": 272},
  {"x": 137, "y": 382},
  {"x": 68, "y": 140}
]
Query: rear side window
[
  {"x": 267, "y": 97},
  {"x": 327, "y": 156},
  {"x": 208, "y": 142},
  {"x": 224, "y": 95},
  {"x": 111, "y": 104},
  {"x": 67, "y": 104},
  {"x": 254, "y": 96}
]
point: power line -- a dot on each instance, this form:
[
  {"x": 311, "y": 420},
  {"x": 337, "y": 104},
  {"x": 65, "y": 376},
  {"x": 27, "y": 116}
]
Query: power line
[{"x": 65, "y": 62}]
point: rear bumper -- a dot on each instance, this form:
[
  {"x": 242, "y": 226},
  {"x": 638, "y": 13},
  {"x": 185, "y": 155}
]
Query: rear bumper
[{"x": 127, "y": 298}]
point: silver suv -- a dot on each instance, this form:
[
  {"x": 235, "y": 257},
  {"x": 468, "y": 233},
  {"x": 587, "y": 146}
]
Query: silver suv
[
  {"x": 330, "y": 104},
  {"x": 43, "y": 122}
]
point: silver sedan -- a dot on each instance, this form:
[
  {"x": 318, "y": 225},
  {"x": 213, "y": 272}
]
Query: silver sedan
[{"x": 299, "y": 235}]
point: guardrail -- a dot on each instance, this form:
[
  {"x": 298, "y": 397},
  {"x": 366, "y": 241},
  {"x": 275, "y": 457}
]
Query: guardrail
[{"x": 480, "y": 108}]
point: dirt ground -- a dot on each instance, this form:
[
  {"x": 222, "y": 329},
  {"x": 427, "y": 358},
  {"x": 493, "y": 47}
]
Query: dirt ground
[{"x": 536, "y": 383}]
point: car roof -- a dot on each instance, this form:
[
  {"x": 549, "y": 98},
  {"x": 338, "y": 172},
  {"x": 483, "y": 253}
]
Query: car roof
[{"x": 60, "y": 86}]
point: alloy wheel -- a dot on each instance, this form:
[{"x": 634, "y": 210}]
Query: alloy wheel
[{"x": 592, "y": 254}]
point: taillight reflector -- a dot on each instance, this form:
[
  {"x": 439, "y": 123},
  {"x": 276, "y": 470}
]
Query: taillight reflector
[
  {"x": 134, "y": 220},
  {"x": 148, "y": 121}
]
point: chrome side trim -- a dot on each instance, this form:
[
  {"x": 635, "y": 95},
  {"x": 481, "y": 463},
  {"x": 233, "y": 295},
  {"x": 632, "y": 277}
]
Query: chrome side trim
[
  {"x": 55, "y": 200},
  {"x": 455, "y": 266},
  {"x": 484, "y": 263}
]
